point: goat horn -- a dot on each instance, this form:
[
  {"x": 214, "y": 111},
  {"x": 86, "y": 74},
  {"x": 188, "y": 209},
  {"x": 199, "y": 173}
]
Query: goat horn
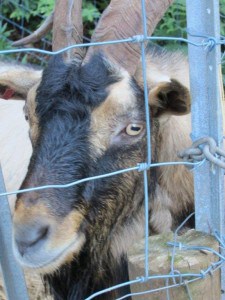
[
  {"x": 123, "y": 19},
  {"x": 68, "y": 27},
  {"x": 37, "y": 34}
]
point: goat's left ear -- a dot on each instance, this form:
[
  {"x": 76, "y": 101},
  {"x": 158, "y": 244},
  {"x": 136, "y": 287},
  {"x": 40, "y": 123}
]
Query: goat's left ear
[
  {"x": 19, "y": 78},
  {"x": 169, "y": 98}
]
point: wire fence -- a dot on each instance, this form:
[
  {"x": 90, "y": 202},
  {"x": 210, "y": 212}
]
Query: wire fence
[
  {"x": 207, "y": 44},
  {"x": 18, "y": 28}
]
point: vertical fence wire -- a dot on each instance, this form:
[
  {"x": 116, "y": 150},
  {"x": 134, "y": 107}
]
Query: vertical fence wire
[{"x": 147, "y": 117}]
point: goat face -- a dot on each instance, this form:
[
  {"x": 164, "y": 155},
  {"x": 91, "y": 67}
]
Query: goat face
[{"x": 89, "y": 120}]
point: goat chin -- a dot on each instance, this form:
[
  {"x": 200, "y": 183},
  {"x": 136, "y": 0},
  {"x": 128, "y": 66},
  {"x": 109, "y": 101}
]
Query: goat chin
[{"x": 15, "y": 150}]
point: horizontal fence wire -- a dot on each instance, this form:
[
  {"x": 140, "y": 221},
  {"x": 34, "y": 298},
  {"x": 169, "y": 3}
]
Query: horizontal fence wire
[
  {"x": 140, "y": 167},
  {"x": 208, "y": 42},
  {"x": 184, "y": 279}
]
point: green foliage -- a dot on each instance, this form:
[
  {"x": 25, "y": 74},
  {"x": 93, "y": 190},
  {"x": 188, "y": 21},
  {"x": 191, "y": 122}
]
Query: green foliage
[
  {"x": 172, "y": 24},
  {"x": 15, "y": 11},
  {"x": 5, "y": 34},
  {"x": 89, "y": 12},
  {"x": 44, "y": 7},
  {"x": 174, "y": 21},
  {"x": 90, "y": 15},
  {"x": 222, "y": 14},
  {"x": 17, "y": 14}
]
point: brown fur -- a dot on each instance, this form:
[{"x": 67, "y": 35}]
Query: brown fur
[
  {"x": 29, "y": 109},
  {"x": 174, "y": 187},
  {"x": 106, "y": 117},
  {"x": 64, "y": 230},
  {"x": 162, "y": 66},
  {"x": 12, "y": 76},
  {"x": 175, "y": 191}
]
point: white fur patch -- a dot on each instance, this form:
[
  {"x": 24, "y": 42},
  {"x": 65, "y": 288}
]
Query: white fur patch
[
  {"x": 156, "y": 76},
  {"x": 15, "y": 150}
]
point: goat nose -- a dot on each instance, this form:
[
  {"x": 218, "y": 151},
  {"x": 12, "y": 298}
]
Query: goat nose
[{"x": 28, "y": 236}]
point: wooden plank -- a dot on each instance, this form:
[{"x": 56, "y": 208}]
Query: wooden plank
[{"x": 188, "y": 261}]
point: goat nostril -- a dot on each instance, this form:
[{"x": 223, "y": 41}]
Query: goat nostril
[
  {"x": 30, "y": 237},
  {"x": 41, "y": 234},
  {"x": 22, "y": 247}
]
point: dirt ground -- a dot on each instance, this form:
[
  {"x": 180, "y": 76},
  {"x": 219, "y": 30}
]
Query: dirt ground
[{"x": 35, "y": 288}]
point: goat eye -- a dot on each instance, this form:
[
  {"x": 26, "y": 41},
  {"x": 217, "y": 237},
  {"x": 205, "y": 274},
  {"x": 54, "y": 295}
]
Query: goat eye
[
  {"x": 134, "y": 129},
  {"x": 26, "y": 117}
]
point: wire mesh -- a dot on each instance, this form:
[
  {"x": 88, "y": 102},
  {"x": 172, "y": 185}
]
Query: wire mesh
[
  {"x": 18, "y": 26},
  {"x": 208, "y": 43}
]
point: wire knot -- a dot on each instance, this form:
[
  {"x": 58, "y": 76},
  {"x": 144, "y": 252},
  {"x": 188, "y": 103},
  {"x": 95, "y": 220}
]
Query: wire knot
[
  {"x": 204, "y": 148},
  {"x": 214, "y": 265},
  {"x": 211, "y": 43},
  {"x": 203, "y": 274},
  {"x": 138, "y": 38},
  {"x": 142, "y": 167},
  {"x": 141, "y": 278}
]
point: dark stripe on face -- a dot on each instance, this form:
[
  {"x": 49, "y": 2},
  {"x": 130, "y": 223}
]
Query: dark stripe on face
[
  {"x": 60, "y": 156},
  {"x": 70, "y": 86},
  {"x": 65, "y": 98}
]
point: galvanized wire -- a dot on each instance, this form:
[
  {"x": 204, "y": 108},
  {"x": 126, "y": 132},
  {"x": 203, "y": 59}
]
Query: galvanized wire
[
  {"x": 143, "y": 168},
  {"x": 204, "y": 148},
  {"x": 183, "y": 278},
  {"x": 140, "y": 167},
  {"x": 209, "y": 42}
]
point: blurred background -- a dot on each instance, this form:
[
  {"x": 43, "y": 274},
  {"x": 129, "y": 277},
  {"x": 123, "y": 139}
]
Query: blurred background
[{"x": 19, "y": 18}]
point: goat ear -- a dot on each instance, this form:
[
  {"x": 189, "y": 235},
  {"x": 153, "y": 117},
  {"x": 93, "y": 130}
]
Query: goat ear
[
  {"x": 169, "y": 98},
  {"x": 20, "y": 79}
]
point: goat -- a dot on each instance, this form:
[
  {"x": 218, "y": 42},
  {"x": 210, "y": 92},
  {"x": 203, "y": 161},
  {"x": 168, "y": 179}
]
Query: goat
[{"x": 88, "y": 120}]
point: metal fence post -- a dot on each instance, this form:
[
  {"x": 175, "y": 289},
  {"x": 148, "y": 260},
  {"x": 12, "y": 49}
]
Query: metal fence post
[
  {"x": 203, "y": 19},
  {"x": 14, "y": 282}
]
